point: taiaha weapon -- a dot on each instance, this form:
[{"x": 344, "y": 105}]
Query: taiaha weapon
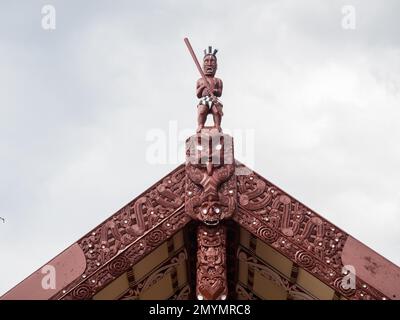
[{"x": 199, "y": 67}]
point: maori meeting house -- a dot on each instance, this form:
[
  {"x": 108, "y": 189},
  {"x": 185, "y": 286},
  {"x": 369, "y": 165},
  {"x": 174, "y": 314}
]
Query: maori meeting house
[{"x": 213, "y": 229}]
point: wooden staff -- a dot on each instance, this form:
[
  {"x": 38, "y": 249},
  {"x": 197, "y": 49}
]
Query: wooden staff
[{"x": 198, "y": 66}]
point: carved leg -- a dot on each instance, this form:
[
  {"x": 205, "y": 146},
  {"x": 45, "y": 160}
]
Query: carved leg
[
  {"x": 217, "y": 116},
  {"x": 211, "y": 282},
  {"x": 202, "y": 112},
  {"x": 217, "y": 121}
]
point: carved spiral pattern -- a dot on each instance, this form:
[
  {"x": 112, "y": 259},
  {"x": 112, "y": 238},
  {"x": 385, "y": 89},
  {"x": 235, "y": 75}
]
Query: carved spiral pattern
[
  {"x": 338, "y": 283},
  {"x": 82, "y": 293},
  {"x": 304, "y": 259},
  {"x": 155, "y": 237},
  {"x": 118, "y": 265},
  {"x": 267, "y": 234}
]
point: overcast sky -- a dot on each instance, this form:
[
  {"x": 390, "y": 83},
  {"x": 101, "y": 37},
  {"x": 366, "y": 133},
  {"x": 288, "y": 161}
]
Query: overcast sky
[{"x": 318, "y": 104}]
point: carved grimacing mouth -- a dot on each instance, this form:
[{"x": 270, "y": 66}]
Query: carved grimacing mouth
[{"x": 211, "y": 222}]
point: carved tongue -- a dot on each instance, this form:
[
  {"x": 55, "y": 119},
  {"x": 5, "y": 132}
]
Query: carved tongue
[
  {"x": 209, "y": 168},
  {"x": 212, "y": 291}
]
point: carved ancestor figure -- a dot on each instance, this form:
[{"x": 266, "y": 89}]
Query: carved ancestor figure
[
  {"x": 208, "y": 88},
  {"x": 209, "y": 92},
  {"x": 211, "y": 263}
]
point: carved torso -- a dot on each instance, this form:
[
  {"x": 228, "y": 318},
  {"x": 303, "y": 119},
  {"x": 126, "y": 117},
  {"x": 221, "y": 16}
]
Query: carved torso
[{"x": 215, "y": 84}]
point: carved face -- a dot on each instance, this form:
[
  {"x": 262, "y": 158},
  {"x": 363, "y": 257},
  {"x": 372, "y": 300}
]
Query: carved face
[
  {"x": 211, "y": 185},
  {"x": 209, "y": 152},
  {"x": 210, "y": 212},
  {"x": 210, "y": 65}
]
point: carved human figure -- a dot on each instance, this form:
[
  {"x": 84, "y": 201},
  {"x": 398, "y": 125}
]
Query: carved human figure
[
  {"x": 209, "y": 102},
  {"x": 211, "y": 279}
]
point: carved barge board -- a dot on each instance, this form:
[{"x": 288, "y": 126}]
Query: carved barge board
[
  {"x": 271, "y": 215},
  {"x": 309, "y": 240},
  {"x": 115, "y": 245}
]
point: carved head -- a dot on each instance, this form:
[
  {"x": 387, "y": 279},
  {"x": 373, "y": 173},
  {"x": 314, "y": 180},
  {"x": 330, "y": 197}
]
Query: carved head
[
  {"x": 210, "y": 65},
  {"x": 210, "y": 212},
  {"x": 210, "y": 62}
]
